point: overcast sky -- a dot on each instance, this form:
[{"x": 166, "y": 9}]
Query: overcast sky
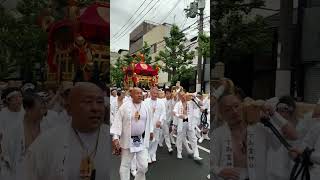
[{"x": 122, "y": 11}]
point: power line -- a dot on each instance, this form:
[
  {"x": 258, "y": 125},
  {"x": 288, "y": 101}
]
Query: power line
[
  {"x": 194, "y": 24},
  {"x": 156, "y": 10},
  {"x": 134, "y": 20},
  {"x": 130, "y": 18},
  {"x": 124, "y": 33},
  {"x": 177, "y": 2}
]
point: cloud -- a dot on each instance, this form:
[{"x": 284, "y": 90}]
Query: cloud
[{"x": 122, "y": 10}]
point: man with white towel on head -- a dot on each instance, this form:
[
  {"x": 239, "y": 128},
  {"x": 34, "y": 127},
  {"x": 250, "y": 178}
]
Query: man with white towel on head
[
  {"x": 158, "y": 113},
  {"x": 183, "y": 110}
]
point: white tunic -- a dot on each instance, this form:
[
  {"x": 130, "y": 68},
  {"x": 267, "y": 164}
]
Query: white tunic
[
  {"x": 56, "y": 155},
  {"x": 259, "y": 140},
  {"x": 280, "y": 161},
  {"x": 114, "y": 107},
  {"x": 160, "y": 110},
  {"x": 51, "y": 120},
  {"x": 122, "y": 124},
  {"x": 169, "y": 109},
  {"x": 178, "y": 110}
]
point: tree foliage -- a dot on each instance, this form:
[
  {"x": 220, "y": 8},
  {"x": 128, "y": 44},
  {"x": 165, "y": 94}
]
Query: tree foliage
[
  {"x": 204, "y": 45},
  {"x": 235, "y": 30},
  {"x": 176, "y": 57}
]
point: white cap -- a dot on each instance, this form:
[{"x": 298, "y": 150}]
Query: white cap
[
  {"x": 217, "y": 93},
  {"x": 27, "y": 86}
]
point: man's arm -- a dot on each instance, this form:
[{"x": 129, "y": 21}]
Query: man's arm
[
  {"x": 287, "y": 129},
  {"x": 116, "y": 127}
]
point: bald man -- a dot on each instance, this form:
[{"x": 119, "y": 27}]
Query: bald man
[
  {"x": 77, "y": 151},
  {"x": 132, "y": 131}
]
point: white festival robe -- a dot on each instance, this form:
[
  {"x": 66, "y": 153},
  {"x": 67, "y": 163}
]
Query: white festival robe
[
  {"x": 56, "y": 154},
  {"x": 312, "y": 140},
  {"x": 121, "y": 126},
  {"x": 8, "y": 120},
  {"x": 114, "y": 110},
  {"x": 279, "y": 161},
  {"x": 158, "y": 115},
  {"x": 51, "y": 120},
  {"x": 259, "y": 141}
]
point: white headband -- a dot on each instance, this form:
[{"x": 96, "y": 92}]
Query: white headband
[
  {"x": 13, "y": 93},
  {"x": 217, "y": 93}
]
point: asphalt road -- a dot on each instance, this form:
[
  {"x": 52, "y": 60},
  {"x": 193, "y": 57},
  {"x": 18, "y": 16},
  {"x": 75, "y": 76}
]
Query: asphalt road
[{"x": 168, "y": 167}]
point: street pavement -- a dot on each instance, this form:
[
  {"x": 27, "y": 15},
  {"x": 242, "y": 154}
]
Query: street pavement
[{"x": 168, "y": 167}]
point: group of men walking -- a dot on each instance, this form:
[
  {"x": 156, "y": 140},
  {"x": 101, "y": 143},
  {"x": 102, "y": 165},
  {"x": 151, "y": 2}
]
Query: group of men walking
[{"x": 145, "y": 119}]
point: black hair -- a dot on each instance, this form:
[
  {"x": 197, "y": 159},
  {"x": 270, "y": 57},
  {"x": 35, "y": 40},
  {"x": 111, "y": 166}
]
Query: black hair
[
  {"x": 30, "y": 99},
  {"x": 167, "y": 90},
  {"x": 288, "y": 100},
  {"x": 119, "y": 93},
  {"x": 219, "y": 101},
  {"x": 240, "y": 93}
]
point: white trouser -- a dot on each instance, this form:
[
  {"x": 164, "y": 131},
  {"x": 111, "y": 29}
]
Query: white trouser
[
  {"x": 166, "y": 134},
  {"x": 192, "y": 139},
  {"x": 142, "y": 164},
  {"x": 134, "y": 163},
  {"x": 153, "y": 146},
  {"x": 161, "y": 136},
  {"x": 186, "y": 145}
]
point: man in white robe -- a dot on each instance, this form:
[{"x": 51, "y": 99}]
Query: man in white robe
[
  {"x": 113, "y": 96},
  {"x": 10, "y": 116},
  {"x": 169, "y": 103},
  {"x": 239, "y": 151},
  {"x": 51, "y": 118},
  {"x": 116, "y": 104},
  {"x": 80, "y": 150},
  {"x": 183, "y": 110},
  {"x": 279, "y": 160},
  {"x": 13, "y": 112},
  {"x": 310, "y": 134},
  {"x": 20, "y": 136},
  {"x": 132, "y": 131},
  {"x": 158, "y": 114}
]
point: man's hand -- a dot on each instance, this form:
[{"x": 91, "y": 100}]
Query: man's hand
[
  {"x": 158, "y": 124},
  {"x": 289, "y": 132},
  {"x": 151, "y": 136},
  {"x": 295, "y": 152},
  {"x": 229, "y": 173},
  {"x": 268, "y": 109},
  {"x": 116, "y": 149}
]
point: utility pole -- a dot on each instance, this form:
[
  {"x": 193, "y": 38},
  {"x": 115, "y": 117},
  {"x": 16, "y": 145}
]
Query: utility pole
[
  {"x": 283, "y": 75},
  {"x": 191, "y": 13}
]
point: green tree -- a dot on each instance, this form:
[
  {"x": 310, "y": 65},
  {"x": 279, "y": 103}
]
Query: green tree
[
  {"x": 204, "y": 45},
  {"x": 235, "y": 30},
  {"x": 176, "y": 56},
  {"x": 146, "y": 52},
  {"x": 117, "y": 75}
]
